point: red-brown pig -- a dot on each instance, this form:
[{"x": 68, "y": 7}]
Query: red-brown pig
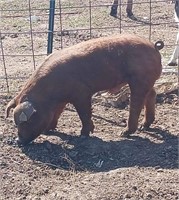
[{"x": 74, "y": 74}]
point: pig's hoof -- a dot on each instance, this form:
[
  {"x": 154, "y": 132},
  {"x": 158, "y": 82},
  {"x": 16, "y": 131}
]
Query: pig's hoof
[
  {"x": 49, "y": 132},
  {"x": 84, "y": 136},
  {"x": 132, "y": 17},
  {"x": 144, "y": 127},
  {"x": 125, "y": 133},
  {"x": 86, "y": 132}
]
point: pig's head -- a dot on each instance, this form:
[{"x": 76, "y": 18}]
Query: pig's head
[{"x": 30, "y": 122}]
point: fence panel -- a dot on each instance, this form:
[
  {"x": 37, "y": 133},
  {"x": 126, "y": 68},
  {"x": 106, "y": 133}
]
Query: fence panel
[{"x": 24, "y": 30}]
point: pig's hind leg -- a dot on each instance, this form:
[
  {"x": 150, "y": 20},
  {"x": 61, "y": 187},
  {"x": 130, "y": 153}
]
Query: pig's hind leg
[
  {"x": 139, "y": 93},
  {"x": 149, "y": 108}
]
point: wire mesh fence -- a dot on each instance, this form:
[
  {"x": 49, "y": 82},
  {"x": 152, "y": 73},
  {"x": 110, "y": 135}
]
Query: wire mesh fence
[{"x": 24, "y": 29}]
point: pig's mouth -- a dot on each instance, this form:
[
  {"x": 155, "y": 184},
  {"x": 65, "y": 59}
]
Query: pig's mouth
[{"x": 22, "y": 141}]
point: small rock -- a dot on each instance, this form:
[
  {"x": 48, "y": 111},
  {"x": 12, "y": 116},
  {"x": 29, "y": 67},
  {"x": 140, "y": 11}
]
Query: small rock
[
  {"x": 34, "y": 18},
  {"x": 134, "y": 188},
  {"x": 46, "y": 190},
  {"x": 127, "y": 196},
  {"x": 3, "y": 164},
  {"x": 2, "y": 37},
  {"x": 159, "y": 170},
  {"x": 148, "y": 196},
  {"x": 14, "y": 35}
]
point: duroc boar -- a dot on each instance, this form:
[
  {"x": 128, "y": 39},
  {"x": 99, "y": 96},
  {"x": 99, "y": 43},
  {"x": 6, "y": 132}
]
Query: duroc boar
[{"x": 74, "y": 74}]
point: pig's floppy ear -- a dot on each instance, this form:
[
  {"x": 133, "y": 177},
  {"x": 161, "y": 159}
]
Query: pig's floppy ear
[
  {"x": 11, "y": 104},
  {"x": 23, "y": 112}
]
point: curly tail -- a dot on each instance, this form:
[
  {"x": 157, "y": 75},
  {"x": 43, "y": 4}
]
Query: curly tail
[{"x": 159, "y": 45}]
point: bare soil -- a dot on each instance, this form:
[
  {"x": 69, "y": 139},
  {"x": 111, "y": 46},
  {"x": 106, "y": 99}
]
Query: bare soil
[{"x": 105, "y": 166}]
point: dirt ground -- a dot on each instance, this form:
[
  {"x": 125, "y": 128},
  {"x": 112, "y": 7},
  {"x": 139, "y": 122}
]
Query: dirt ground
[{"x": 106, "y": 166}]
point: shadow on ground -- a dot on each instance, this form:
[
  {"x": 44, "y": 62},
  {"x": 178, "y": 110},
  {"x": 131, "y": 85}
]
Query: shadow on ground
[
  {"x": 137, "y": 19},
  {"x": 94, "y": 154}
]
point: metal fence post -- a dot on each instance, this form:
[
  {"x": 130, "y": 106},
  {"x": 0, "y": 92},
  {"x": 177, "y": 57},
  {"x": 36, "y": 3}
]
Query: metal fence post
[{"x": 51, "y": 27}]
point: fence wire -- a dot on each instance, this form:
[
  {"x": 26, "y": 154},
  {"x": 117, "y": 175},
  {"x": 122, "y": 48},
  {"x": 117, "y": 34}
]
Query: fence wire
[{"x": 24, "y": 30}]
